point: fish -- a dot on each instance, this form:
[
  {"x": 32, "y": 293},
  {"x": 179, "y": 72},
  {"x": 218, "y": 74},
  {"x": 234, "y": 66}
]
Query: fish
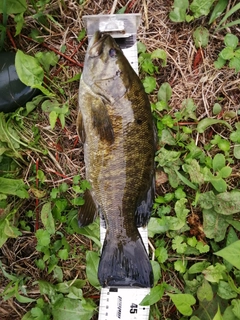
[{"x": 116, "y": 127}]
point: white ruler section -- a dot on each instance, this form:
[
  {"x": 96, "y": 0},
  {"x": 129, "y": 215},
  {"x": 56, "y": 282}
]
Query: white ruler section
[{"x": 123, "y": 302}]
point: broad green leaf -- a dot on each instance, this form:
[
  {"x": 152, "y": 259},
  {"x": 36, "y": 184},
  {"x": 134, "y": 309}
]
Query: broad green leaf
[
  {"x": 14, "y": 6},
  {"x": 230, "y": 40},
  {"x": 198, "y": 267},
  {"x": 235, "y": 136},
  {"x": 228, "y": 314},
  {"x": 214, "y": 225},
  {"x": 236, "y": 151},
  {"x": 28, "y": 69},
  {"x": 156, "y": 271},
  {"x": 231, "y": 254},
  {"x": 43, "y": 237},
  {"x": 92, "y": 260},
  {"x": 160, "y": 54},
  {"x": 63, "y": 254},
  {"x": 218, "y": 10},
  {"x": 234, "y": 63},
  {"x": 180, "y": 266},
  {"x": 218, "y": 315},
  {"x": 214, "y": 273},
  {"x": 217, "y": 108},
  {"x": 178, "y": 13},
  {"x": 53, "y": 115},
  {"x": 154, "y": 296},
  {"x": 207, "y": 122},
  {"x": 188, "y": 109},
  {"x": 225, "y": 291},
  {"x": 219, "y": 184},
  {"x": 11, "y": 231},
  {"x": 205, "y": 291},
  {"x": 194, "y": 170},
  {"x": 19, "y": 23},
  {"x": 201, "y": 37},
  {"x": 202, "y": 248},
  {"x": 14, "y": 187},
  {"x": 236, "y": 307},
  {"x": 201, "y": 8},
  {"x": 161, "y": 254},
  {"x": 47, "y": 59},
  {"x": 165, "y": 92},
  {"x": 225, "y": 172},
  {"x": 218, "y": 162},
  {"x": 73, "y": 309},
  {"x": 219, "y": 63},
  {"x": 183, "y": 302},
  {"x": 228, "y": 202},
  {"x": 227, "y": 53},
  {"x": 149, "y": 84},
  {"x": 157, "y": 226},
  {"x": 47, "y": 218}
]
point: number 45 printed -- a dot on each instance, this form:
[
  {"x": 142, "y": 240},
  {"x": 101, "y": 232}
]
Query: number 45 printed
[{"x": 133, "y": 308}]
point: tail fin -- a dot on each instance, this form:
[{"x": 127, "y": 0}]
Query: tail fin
[{"x": 124, "y": 263}]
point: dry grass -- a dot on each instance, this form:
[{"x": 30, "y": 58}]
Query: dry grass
[{"x": 65, "y": 159}]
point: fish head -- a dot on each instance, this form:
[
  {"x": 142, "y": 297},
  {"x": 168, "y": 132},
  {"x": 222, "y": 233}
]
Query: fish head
[{"x": 106, "y": 69}]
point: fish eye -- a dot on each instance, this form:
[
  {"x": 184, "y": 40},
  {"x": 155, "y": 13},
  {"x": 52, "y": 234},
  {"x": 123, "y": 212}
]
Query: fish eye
[{"x": 112, "y": 52}]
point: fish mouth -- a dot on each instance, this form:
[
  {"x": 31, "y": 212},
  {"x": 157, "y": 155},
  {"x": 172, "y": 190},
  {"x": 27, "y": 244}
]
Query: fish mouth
[{"x": 96, "y": 44}]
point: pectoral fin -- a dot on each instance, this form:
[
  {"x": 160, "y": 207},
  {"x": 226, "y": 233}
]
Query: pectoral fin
[
  {"x": 80, "y": 127},
  {"x": 101, "y": 121},
  {"x": 88, "y": 211}
]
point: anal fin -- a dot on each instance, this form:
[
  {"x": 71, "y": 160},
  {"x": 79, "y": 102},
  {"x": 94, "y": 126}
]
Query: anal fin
[{"x": 144, "y": 209}]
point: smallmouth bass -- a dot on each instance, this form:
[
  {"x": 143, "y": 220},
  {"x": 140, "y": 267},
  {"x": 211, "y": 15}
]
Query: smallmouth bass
[{"x": 116, "y": 127}]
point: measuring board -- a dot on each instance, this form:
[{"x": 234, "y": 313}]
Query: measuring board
[{"x": 122, "y": 302}]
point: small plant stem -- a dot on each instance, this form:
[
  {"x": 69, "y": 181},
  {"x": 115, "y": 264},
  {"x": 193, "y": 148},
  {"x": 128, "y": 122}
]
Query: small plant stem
[
  {"x": 130, "y": 5},
  {"x": 11, "y": 39},
  {"x": 37, "y": 200}
]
